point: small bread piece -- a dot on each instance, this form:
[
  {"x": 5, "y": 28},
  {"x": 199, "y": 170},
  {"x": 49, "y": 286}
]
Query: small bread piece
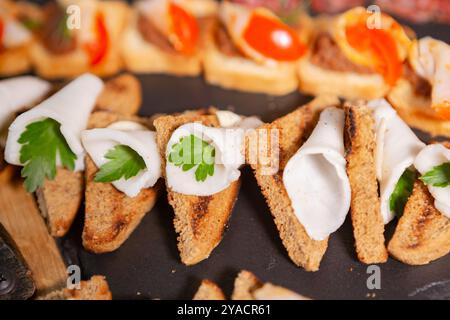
[
  {"x": 293, "y": 130},
  {"x": 14, "y": 61},
  {"x": 416, "y": 110},
  {"x": 94, "y": 289},
  {"x": 122, "y": 94},
  {"x": 423, "y": 233},
  {"x": 69, "y": 65},
  {"x": 208, "y": 290},
  {"x": 316, "y": 80},
  {"x": 239, "y": 73},
  {"x": 60, "y": 199},
  {"x": 200, "y": 221},
  {"x": 368, "y": 225},
  {"x": 110, "y": 215},
  {"x": 248, "y": 287},
  {"x": 141, "y": 56}
]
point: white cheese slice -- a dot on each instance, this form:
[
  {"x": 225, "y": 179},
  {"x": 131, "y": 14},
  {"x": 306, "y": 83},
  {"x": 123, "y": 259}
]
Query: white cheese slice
[
  {"x": 15, "y": 34},
  {"x": 98, "y": 142},
  {"x": 431, "y": 156},
  {"x": 229, "y": 156},
  {"x": 397, "y": 147},
  {"x": 19, "y": 93},
  {"x": 229, "y": 119},
  {"x": 430, "y": 58},
  {"x": 315, "y": 177},
  {"x": 70, "y": 107}
]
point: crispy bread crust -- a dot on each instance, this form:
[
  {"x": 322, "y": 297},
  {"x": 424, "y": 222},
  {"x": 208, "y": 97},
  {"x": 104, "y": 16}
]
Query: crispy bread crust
[
  {"x": 368, "y": 225},
  {"x": 110, "y": 215},
  {"x": 200, "y": 221},
  {"x": 208, "y": 290},
  {"x": 15, "y": 61},
  {"x": 293, "y": 130}
]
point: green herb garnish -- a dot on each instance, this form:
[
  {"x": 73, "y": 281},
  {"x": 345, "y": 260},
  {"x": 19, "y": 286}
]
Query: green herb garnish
[
  {"x": 439, "y": 176},
  {"x": 41, "y": 142},
  {"x": 192, "y": 151},
  {"x": 63, "y": 27},
  {"x": 124, "y": 163},
  {"x": 402, "y": 191},
  {"x": 31, "y": 24}
]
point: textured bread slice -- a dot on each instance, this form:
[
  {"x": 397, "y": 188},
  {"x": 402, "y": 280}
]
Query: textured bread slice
[
  {"x": 248, "y": 287},
  {"x": 368, "y": 225},
  {"x": 293, "y": 129},
  {"x": 423, "y": 233},
  {"x": 53, "y": 66},
  {"x": 143, "y": 57},
  {"x": 240, "y": 73},
  {"x": 416, "y": 110},
  {"x": 15, "y": 61},
  {"x": 110, "y": 215},
  {"x": 94, "y": 289},
  {"x": 315, "y": 80},
  {"x": 122, "y": 94},
  {"x": 200, "y": 221},
  {"x": 208, "y": 290},
  {"x": 60, "y": 199}
]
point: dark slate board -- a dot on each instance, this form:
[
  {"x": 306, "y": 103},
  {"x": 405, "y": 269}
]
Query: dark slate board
[{"x": 148, "y": 265}]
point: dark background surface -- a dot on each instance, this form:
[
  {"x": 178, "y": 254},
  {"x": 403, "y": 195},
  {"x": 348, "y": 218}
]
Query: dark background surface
[{"x": 148, "y": 266}]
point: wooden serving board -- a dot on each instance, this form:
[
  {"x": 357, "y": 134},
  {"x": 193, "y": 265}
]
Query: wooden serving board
[{"x": 20, "y": 216}]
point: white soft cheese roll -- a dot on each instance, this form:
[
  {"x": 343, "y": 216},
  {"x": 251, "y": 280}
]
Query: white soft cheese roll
[
  {"x": 431, "y": 156},
  {"x": 19, "y": 93},
  {"x": 98, "y": 142},
  {"x": 229, "y": 156},
  {"x": 316, "y": 180},
  {"x": 70, "y": 107},
  {"x": 397, "y": 147},
  {"x": 15, "y": 34},
  {"x": 229, "y": 119},
  {"x": 430, "y": 58}
]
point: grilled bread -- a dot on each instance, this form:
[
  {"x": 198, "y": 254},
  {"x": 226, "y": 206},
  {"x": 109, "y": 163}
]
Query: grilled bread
[
  {"x": 208, "y": 290},
  {"x": 110, "y": 215},
  {"x": 94, "y": 289},
  {"x": 368, "y": 225},
  {"x": 293, "y": 129},
  {"x": 248, "y": 287},
  {"x": 60, "y": 199},
  {"x": 200, "y": 221}
]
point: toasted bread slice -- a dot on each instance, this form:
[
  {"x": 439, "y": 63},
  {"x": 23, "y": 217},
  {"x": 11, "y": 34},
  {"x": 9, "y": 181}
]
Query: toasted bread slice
[
  {"x": 200, "y": 221},
  {"x": 244, "y": 74},
  {"x": 293, "y": 130},
  {"x": 72, "y": 64},
  {"x": 94, "y": 289},
  {"x": 15, "y": 61},
  {"x": 368, "y": 225},
  {"x": 208, "y": 290},
  {"x": 423, "y": 233},
  {"x": 110, "y": 215},
  {"x": 122, "y": 94},
  {"x": 141, "y": 56},
  {"x": 60, "y": 199},
  {"x": 416, "y": 110},
  {"x": 248, "y": 287}
]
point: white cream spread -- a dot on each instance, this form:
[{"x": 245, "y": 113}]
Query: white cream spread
[
  {"x": 98, "y": 142},
  {"x": 397, "y": 147},
  {"x": 19, "y": 93},
  {"x": 430, "y": 58},
  {"x": 229, "y": 156},
  {"x": 315, "y": 177},
  {"x": 70, "y": 107},
  {"x": 431, "y": 156}
]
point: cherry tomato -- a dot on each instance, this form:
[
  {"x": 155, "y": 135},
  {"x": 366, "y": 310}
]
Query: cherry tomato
[
  {"x": 273, "y": 39},
  {"x": 185, "y": 28}
]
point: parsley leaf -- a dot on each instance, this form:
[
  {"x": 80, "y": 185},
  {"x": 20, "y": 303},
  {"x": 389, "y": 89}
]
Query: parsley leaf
[
  {"x": 41, "y": 142},
  {"x": 439, "y": 176},
  {"x": 192, "y": 151},
  {"x": 402, "y": 191},
  {"x": 124, "y": 163},
  {"x": 31, "y": 24}
]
